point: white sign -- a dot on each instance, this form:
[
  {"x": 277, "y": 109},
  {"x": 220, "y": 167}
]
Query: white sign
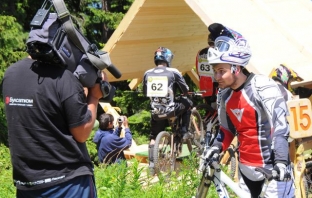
[{"x": 157, "y": 86}]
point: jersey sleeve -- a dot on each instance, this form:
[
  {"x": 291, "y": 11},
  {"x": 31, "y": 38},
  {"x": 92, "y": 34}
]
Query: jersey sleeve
[
  {"x": 181, "y": 81},
  {"x": 275, "y": 108}
]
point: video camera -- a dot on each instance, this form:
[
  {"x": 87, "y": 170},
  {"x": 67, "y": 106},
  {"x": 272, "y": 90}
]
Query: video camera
[{"x": 54, "y": 40}]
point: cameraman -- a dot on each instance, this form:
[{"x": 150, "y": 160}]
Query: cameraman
[
  {"x": 109, "y": 144},
  {"x": 49, "y": 119}
]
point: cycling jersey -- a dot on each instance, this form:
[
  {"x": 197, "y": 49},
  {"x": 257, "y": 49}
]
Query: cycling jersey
[
  {"x": 172, "y": 75},
  {"x": 256, "y": 111},
  {"x": 161, "y": 84},
  {"x": 163, "y": 103},
  {"x": 205, "y": 73}
]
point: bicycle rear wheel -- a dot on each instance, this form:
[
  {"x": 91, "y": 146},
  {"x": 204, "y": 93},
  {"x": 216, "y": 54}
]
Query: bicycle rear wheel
[
  {"x": 308, "y": 178},
  {"x": 197, "y": 130},
  {"x": 163, "y": 154}
]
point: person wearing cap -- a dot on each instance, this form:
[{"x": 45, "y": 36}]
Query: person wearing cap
[
  {"x": 163, "y": 103},
  {"x": 252, "y": 107}
]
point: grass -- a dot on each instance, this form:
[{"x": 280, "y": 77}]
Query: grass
[{"x": 126, "y": 180}]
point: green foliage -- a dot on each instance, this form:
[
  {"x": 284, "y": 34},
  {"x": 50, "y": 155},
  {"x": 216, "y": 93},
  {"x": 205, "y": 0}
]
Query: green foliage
[
  {"x": 140, "y": 123},
  {"x": 125, "y": 180},
  {"x": 7, "y": 188},
  {"x": 119, "y": 180},
  {"x": 12, "y": 49},
  {"x": 130, "y": 102}
]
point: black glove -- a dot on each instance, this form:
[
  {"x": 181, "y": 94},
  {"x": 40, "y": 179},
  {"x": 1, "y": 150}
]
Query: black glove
[{"x": 280, "y": 172}]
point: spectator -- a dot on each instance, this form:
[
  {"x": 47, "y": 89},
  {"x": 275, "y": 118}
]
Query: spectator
[{"x": 109, "y": 144}]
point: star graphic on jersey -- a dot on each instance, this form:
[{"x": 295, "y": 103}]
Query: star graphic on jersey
[{"x": 238, "y": 113}]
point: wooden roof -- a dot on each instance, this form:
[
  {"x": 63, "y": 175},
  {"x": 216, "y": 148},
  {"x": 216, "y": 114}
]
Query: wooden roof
[{"x": 279, "y": 31}]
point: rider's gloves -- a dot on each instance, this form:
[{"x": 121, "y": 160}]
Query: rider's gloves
[
  {"x": 208, "y": 153},
  {"x": 280, "y": 172}
]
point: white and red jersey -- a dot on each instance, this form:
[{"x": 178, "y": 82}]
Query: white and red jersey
[
  {"x": 256, "y": 112},
  {"x": 205, "y": 73}
]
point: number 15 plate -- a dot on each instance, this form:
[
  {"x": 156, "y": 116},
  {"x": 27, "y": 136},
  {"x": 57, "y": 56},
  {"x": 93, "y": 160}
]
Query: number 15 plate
[{"x": 300, "y": 118}]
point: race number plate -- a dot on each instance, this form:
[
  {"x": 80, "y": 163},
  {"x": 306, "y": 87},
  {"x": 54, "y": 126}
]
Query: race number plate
[
  {"x": 157, "y": 86},
  {"x": 203, "y": 68},
  {"x": 300, "y": 118}
]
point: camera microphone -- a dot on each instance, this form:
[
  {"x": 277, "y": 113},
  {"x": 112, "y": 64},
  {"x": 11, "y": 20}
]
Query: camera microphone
[{"x": 114, "y": 71}]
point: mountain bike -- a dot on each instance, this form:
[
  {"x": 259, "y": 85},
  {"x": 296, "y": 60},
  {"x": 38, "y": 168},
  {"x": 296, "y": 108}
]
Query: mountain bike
[
  {"x": 212, "y": 173},
  {"x": 169, "y": 144}
]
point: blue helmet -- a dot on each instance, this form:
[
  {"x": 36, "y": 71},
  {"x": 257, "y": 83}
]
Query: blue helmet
[{"x": 163, "y": 54}]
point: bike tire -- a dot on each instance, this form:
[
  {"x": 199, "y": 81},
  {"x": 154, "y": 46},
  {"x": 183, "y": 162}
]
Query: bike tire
[
  {"x": 195, "y": 143},
  {"x": 232, "y": 162},
  {"x": 307, "y": 178},
  {"x": 164, "y": 158}
]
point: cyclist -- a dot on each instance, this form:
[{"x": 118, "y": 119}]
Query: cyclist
[
  {"x": 252, "y": 107},
  {"x": 204, "y": 70},
  {"x": 284, "y": 76},
  {"x": 161, "y": 85}
]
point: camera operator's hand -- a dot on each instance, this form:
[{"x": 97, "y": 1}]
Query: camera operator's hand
[
  {"x": 95, "y": 91},
  {"x": 104, "y": 76}
]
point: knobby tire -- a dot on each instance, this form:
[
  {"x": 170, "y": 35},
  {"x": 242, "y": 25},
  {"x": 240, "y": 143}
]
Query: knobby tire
[
  {"x": 195, "y": 143},
  {"x": 163, "y": 159}
]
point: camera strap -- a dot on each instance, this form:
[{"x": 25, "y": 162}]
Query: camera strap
[{"x": 99, "y": 59}]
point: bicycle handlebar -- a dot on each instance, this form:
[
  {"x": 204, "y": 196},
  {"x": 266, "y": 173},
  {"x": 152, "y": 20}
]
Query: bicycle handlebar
[{"x": 214, "y": 163}]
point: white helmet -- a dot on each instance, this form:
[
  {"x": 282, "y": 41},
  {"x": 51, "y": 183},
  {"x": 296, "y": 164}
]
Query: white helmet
[{"x": 234, "y": 50}]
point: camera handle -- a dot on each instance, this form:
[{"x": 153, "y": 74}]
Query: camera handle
[{"x": 99, "y": 59}]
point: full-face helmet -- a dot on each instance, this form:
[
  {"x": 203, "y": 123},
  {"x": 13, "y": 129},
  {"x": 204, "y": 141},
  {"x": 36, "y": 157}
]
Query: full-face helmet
[
  {"x": 163, "y": 54},
  {"x": 231, "y": 47},
  {"x": 285, "y": 76}
]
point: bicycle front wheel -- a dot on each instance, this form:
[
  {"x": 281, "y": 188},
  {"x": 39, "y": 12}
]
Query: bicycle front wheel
[
  {"x": 203, "y": 187},
  {"x": 163, "y": 154}
]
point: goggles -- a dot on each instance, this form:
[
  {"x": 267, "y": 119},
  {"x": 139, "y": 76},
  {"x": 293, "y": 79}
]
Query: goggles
[{"x": 226, "y": 44}]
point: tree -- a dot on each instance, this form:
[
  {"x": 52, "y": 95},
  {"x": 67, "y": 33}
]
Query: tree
[
  {"x": 96, "y": 18},
  {"x": 12, "y": 49}
]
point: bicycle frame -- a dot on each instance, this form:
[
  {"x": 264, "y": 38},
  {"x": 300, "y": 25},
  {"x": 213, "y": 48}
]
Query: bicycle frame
[
  {"x": 219, "y": 178},
  {"x": 213, "y": 173}
]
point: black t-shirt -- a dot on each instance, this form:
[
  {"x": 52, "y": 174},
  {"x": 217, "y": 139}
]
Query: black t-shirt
[{"x": 42, "y": 103}]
